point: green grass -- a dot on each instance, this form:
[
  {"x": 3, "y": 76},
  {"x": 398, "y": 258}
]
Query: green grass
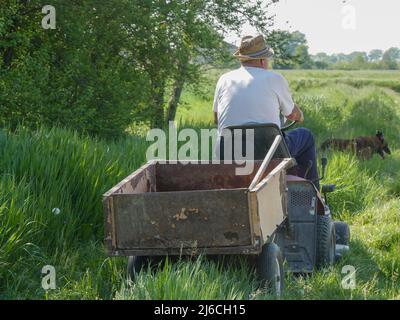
[{"x": 56, "y": 168}]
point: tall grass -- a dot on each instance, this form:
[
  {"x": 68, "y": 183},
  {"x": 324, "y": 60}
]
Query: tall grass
[
  {"x": 196, "y": 279},
  {"x": 51, "y": 182}
]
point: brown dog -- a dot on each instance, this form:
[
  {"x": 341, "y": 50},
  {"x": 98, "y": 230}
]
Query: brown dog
[{"x": 363, "y": 147}]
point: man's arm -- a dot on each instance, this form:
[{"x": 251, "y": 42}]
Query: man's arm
[
  {"x": 288, "y": 108},
  {"x": 296, "y": 115},
  {"x": 215, "y": 102}
]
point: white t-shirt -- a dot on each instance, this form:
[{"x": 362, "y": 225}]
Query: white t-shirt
[{"x": 250, "y": 94}]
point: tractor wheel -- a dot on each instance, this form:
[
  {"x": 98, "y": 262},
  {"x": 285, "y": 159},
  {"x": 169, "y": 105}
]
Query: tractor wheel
[
  {"x": 342, "y": 233},
  {"x": 135, "y": 264},
  {"x": 342, "y": 238},
  {"x": 270, "y": 269},
  {"x": 326, "y": 241}
]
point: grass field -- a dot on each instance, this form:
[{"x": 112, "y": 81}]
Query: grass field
[{"x": 58, "y": 169}]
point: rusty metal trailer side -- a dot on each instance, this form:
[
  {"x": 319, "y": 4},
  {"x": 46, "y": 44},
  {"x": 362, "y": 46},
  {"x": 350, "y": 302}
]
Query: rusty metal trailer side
[
  {"x": 184, "y": 220},
  {"x": 141, "y": 221}
]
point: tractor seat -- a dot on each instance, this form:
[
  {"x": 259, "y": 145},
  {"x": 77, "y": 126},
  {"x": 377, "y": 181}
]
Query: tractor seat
[{"x": 264, "y": 136}]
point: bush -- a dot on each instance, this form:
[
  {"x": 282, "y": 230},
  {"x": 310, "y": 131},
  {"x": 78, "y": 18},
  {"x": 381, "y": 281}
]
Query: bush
[{"x": 75, "y": 76}]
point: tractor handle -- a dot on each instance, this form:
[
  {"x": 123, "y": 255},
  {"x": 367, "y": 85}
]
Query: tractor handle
[
  {"x": 324, "y": 162},
  {"x": 288, "y": 126},
  {"x": 265, "y": 162}
]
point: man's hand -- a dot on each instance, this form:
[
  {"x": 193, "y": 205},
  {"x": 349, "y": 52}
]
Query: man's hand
[
  {"x": 301, "y": 117},
  {"x": 296, "y": 115}
]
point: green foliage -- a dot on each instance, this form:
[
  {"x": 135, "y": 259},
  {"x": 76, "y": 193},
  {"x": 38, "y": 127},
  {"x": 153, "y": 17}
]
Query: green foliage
[
  {"x": 375, "y": 60},
  {"x": 56, "y": 169},
  {"x": 187, "y": 279},
  {"x": 73, "y": 76},
  {"x": 392, "y": 54},
  {"x": 109, "y": 63},
  {"x": 303, "y": 57},
  {"x": 375, "y": 55},
  {"x": 290, "y": 49}
]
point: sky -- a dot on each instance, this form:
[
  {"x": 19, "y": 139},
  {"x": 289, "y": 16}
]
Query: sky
[{"x": 335, "y": 26}]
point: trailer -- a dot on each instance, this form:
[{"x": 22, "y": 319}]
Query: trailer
[{"x": 167, "y": 208}]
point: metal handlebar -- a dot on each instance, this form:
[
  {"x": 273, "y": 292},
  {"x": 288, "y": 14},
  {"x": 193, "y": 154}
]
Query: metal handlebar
[
  {"x": 266, "y": 161},
  {"x": 287, "y": 127}
]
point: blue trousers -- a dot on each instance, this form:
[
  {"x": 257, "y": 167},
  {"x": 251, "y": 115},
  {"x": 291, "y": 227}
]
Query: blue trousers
[{"x": 301, "y": 145}]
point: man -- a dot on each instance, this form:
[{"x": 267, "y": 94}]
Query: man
[{"x": 253, "y": 94}]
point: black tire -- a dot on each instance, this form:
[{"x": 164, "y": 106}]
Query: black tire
[
  {"x": 135, "y": 264},
  {"x": 138, "y": 263},
  {"x": 326, "y": 242},
  {"x": 270, "y": 269},
  {"x": 342, "y": 231}
]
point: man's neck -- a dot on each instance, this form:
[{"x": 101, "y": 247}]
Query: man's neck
[
  {"x": 252, "y": 65},
  {"x": 255, "y": 64}
]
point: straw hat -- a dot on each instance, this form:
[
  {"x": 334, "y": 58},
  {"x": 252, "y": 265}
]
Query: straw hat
[{"x": 252, "y": 48}]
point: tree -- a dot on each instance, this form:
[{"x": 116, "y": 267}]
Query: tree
[
  {"x": 321, "y": 65},
  {"x": 321, "y": 56},
  {"x": 375, "y": 55},
  {"x": 359, "y": 62},
  {"x": 390, "y": 58},
  {"x": 74, "y": 76},
  {"x": 285, "y": 45},
  {"x": 357, "y": 54},
  {"x": 168, "y": 37},
  {"x": 303, "y": 58},
  {"x": 392, "y": 54}
]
